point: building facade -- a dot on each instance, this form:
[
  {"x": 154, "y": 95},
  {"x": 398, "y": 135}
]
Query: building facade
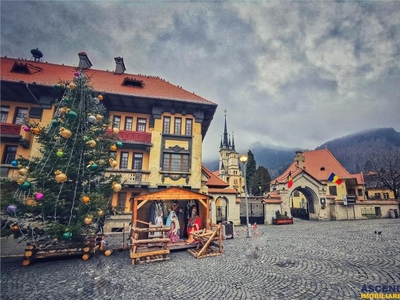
[{"x": 161, "y": 126}]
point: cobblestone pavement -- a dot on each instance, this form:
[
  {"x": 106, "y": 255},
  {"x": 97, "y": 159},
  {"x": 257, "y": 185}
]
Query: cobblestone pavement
[{"x": 307, "y": 260}]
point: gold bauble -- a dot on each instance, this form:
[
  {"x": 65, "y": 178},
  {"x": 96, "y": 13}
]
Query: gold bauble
[
  {"x": 60, "y": 176},
  {"x": 30, "y": 201},
  {"x": 23, "y": 171},
  {"x": 65, "y": 133},
  {"x": 72, "y": 86},
  {"x": 116, "y": 130},
  {"x": 99, "y": 117},
  {"x": 88, "y": 220},
  {"x": 100, "y": 212},
  {"x": 116, "y": 186},
  {"x": 113, "y": 147},
  {"x": 113, "y": 163},
  {"x": 62, "y": 110},
  {"x": 91, "y": 143},
  {"x": 100, "y": 97}
]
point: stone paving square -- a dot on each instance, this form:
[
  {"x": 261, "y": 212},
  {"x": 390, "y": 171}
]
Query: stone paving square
[{"x": 307, "y": 260}]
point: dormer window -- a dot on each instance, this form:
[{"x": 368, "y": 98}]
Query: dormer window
[
  {"x": 133, "y": 82},
  {"x": 322, "y": 169},
  {"x": 20, "y": 68}
]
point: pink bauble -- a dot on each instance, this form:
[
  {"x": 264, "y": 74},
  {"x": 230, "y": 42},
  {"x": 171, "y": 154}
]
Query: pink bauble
[
  {"x": 39, "y": 196},
  {"x": 76, "y": 73},
  {"x": 26, "y": 128}
]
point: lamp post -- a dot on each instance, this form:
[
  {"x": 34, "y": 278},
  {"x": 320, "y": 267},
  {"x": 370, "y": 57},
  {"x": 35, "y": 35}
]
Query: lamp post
[{"x": 243, "y": 159}]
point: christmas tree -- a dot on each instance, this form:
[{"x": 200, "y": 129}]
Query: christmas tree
[{"x": 63, "y": 192}]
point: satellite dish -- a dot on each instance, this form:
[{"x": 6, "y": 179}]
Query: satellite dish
[{"x": 36, "y": 54}]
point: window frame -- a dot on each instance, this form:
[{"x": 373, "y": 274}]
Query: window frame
[
  {"x": 124, "y": 159},
  {"x": 189, "y": 126},
  {"x": 9, "y": 156},
  {"x": 5, "y": 111},
  {"x": 137, "y": 158},
  {"x": 128, "y": 123},
  {"x": 175, "y": 162},
  {"x": 167, "y": 125},
  {"x": 141, "y": 124},
  {"x": 332, "y": 190},
  {"x": 117, "y": 122},
  {"x": 21, "y": 119},
  {"x": 177, "y": 126}
]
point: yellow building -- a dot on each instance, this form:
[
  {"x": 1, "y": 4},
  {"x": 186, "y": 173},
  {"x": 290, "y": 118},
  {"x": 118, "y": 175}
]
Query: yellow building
[{"x": 161, "y": 125}]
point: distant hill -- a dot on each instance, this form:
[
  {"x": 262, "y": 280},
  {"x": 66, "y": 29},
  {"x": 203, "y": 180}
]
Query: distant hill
[{"x": 351, "y": 151}]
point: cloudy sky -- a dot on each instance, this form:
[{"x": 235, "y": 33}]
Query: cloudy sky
[{"x": 289, "y": 73}]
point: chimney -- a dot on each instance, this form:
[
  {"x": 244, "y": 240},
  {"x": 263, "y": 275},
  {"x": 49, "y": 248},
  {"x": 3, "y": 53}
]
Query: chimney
[
  {"x": 84, "y": 62},
  {"x": 299, "y": 160},
  {"x": 120, "y": 66}
]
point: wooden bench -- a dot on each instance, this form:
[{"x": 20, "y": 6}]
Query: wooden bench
[{"x": 148, "y": 250}]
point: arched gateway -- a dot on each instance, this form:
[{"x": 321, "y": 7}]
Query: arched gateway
[{"x": 313, "y": 192}]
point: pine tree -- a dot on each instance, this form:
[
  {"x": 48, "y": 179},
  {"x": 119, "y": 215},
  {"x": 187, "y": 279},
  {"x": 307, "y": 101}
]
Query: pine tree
[{"x": 63, "y": 192}]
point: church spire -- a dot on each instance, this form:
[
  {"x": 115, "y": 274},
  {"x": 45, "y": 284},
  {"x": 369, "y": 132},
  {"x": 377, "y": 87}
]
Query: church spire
[
  {"x": 225, "y": 143},
  {"x": 233, "y": 142}
]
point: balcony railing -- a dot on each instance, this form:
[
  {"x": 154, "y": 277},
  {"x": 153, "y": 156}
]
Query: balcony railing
[
  {"x": 10, "y": 129},
  {"x": 131, "y": 177},
  {"x": 133, "y": 136}
]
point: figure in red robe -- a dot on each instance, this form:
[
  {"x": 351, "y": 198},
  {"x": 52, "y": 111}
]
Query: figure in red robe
[{"x": 194, "y": 224}]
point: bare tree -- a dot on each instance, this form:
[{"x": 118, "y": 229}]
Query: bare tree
[{"x": 386, "y": 169}]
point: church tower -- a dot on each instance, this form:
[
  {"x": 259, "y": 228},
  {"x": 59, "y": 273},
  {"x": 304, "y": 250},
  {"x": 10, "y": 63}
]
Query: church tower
[{"x": 229, "y": 170}]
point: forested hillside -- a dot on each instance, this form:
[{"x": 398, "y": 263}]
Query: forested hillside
[{"x": 351, "y": 151}]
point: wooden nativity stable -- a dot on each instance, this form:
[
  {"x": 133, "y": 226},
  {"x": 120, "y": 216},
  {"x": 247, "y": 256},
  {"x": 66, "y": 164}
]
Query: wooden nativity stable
[{"x": 150, "y": 242}]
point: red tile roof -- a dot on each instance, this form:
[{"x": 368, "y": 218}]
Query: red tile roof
[
  {"x": 221, "y": 191},
  {"x": 214, "y": 181},
  {"x": 320, "y": 164},
  {"x": 48, "y": 74}
]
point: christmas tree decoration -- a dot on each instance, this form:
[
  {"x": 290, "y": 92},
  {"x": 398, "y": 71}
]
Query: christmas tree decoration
[
  {"x": 100, "y": 97},
  {"x": 119, "y": 144},
  {"x": 72, "y": 115},
  {"x": 91, "y": 143},
  {"x": 39, "y": 196},
  {"x": 91, "y": 118},
  {"x": 60, "y": 176},
  {"x": 65, "y": 133},
  {"x": 30, "y": 201},
  {"x": 113, "y": 147},
  {"x": 67, "y": 235},
  {"x": 96, "y": 100},
  {"x": 116, "y": 186},
  {"x": 35, "y": 130},
  {"x": 23, "y": 171},
  {"x": 11, "y": 208},
  {"x": 55, "y": 122},
  {"x": 115, "y": 130},
  {"x": 60, "y": 153},
  {"x": 65, "y": 170},
  {"x": 88, "y": 220},
  {"x": 26, "y": 128},
  {"x": 113, "y": 162},
  {"x": 72, "y": 86},
  {"x": 26, "y": 185},
  {"x": 14, "y": 227},
  {"x": 85, "y": 199}
]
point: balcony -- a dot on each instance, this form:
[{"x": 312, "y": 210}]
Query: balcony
[
  {"x": 9, "y": 129},
  {"x": 13, "y": 133},
  {"x": 133, "y": 137},
  {"x": 131, "y": 177}
]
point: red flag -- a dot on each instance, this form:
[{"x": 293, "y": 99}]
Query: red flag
[{"x": 289, "y": 180}]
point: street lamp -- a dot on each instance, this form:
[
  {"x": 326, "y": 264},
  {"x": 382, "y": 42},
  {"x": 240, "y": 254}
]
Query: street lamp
[{"x": 243, "y": 159}]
